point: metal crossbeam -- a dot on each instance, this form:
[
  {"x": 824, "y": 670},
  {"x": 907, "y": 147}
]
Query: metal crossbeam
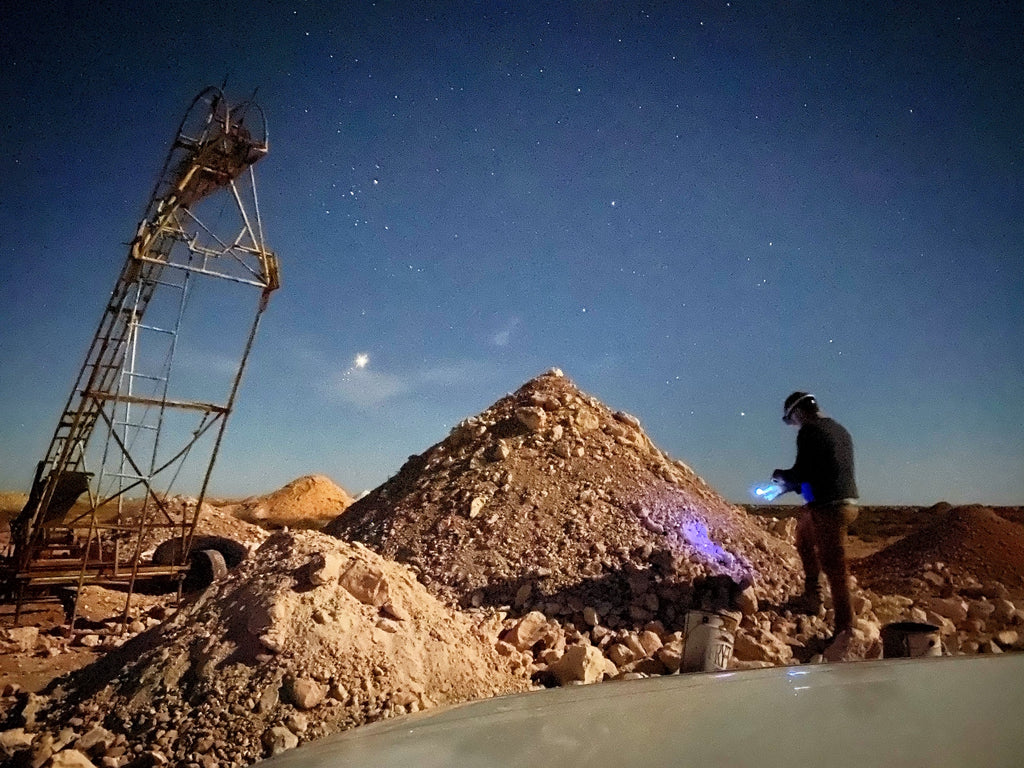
[{"x": 123, "y": 429}]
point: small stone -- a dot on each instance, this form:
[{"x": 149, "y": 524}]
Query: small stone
[
  {"x": 584, "y": 663},
  {"x": 395, "y": 611},
  {"x": 1003, "y": 610},
  {"x": 980, "y": 609},
  {"x": 621, "y": 654},
  {"x": 951, "y": 608},
  {"x": 746, "y": 601},
  {"x": 591, "y": 617},
  {"x": 650, "y": 642},
  {"x": 549, "y": 656},
  {"x": 499, "y": 451},
  {"x": 279, "y": 739},
  {"x": 994, "y": 589},
  {"x": 14, "y": 740},
  {"x": 532, "y": 418},
  {"x": 305, "y": 693},
  {"x": 1007, "y": 638},
  {"x": 527, "y": 631},
  {"x": 760, "y": 645},
  {"x": 297, "y": 722},
  {"x": 628, "y": 419},
  {"x": 338, "y": 692},
  {"x": 34, "y": 704},
  {"x": 270, "y": 698},
  {"x": 366, "y": 583},
  {"x": 671, "y": 655},
  {"x": 22, "y": 639},
  {"x": 476, "y": 506},
  {"x": 95, "y": 742},
  {"x": 946, "y": 626},
  {"x": 323, "y": 568},
  {"x": 70, "y": 758}
]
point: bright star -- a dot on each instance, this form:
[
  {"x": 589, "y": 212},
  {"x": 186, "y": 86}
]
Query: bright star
[{"x": 361, "y": 360}]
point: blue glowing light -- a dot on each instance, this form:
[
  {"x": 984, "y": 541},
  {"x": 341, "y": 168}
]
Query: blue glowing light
[
  {"x": 767, "y": 491},
  {"x": 696, "y": 534}
]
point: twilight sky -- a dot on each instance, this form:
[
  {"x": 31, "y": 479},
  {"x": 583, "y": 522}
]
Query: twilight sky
[{"x": 692, "y": 208}]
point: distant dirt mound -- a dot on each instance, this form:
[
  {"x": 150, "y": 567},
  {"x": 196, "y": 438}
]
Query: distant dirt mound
[
  {"x": 549, "y": 500},
  {"x": 970, "y": 540},
  {"x": 308, "y": 502},
  {"x": 309, "y": 636},
  {"x": 212, "y": 521}
]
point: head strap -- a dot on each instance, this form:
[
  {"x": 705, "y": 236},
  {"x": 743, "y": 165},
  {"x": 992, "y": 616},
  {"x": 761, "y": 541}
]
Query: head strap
[{"x": 794, "y": 404}]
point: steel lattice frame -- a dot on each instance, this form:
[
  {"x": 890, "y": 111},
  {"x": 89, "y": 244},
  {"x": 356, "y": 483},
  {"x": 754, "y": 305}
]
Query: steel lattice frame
[{"x": 126, "y": 436}]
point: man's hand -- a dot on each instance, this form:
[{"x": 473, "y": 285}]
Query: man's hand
[{"x": 779, "y": 476}]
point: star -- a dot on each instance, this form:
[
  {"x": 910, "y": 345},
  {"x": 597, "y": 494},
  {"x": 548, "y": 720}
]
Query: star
[{"x": 361, "y": 360}]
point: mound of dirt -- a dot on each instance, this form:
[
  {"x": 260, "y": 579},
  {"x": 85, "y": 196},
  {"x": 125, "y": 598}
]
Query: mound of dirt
[
  {"x": 971, "y": 541},
  {"x": 309, "y": 636},
  {"x": 310, "y": 502},
  {"x": 212, "y": 521},
  {"x": 549, "y": 500}
]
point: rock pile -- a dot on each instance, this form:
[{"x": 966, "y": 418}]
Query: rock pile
[
  {"x": 309, "y": 502},
  {"x": 963, "y": 545},
  {"x": 546, "y": 541},
  {"x": 310, "y": 635},
  {"x": 550, "y": 501}
]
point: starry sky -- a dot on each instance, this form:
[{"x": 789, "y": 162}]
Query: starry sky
[{"x": 691, "y": 208}]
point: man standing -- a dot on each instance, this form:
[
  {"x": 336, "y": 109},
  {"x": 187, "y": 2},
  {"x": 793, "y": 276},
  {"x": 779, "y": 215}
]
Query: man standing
[{"x": 823, "y": 474}]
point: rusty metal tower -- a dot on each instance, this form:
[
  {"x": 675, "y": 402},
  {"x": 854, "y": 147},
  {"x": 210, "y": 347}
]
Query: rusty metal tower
[{"x": 150, "y": 404}]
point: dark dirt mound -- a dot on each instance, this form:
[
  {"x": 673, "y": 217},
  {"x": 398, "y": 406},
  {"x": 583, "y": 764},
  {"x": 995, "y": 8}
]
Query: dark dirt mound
[
  {"x": 1013, "y": 514},
  {"x": 970, "y": 540},
  {"x": 549, "y": 500}
]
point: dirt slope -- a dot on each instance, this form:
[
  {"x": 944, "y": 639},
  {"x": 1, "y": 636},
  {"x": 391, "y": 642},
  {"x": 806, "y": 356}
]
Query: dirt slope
[
  {"x": 309, "y": 636},
  {"x": 969, "y": 541},
  {"x": 551, "y": 500}
]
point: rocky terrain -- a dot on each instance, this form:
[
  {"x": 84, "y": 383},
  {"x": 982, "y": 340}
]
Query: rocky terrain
[
  {"x": 549, "y": 500},
  {"x": 545, "y": 541}
]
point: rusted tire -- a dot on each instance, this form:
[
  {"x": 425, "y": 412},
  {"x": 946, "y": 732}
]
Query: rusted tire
[
  {"x": 205, "y": 567},
  {"x": 169, "y": 552}
]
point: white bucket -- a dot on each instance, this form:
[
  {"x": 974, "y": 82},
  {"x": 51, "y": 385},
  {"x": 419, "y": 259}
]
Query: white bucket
[
  {"x": 910, "y": 639},
  {"x": 707, "y": 645}
]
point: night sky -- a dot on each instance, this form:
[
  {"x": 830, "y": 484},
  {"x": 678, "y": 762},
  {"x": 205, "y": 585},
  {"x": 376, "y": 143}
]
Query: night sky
[{"x": 692, "y": 209}]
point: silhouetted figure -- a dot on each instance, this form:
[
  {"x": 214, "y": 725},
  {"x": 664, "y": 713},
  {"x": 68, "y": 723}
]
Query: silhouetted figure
[{"x": 823, "y": 474}]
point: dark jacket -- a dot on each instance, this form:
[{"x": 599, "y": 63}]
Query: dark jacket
[{"x": 823, "y": 471}]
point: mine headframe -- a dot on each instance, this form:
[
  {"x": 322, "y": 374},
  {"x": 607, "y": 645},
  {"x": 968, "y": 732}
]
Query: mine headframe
[{"x": 150, "y": 404}]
